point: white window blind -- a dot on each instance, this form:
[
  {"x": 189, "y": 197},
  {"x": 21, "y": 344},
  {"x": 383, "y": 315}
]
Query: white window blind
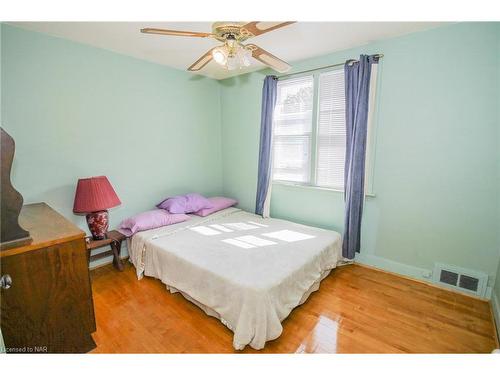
[
  {"x": 293, "y": 130},
  {"x": 331, "y": 134}
]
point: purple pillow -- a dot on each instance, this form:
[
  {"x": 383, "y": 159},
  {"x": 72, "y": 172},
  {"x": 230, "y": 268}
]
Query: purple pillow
[
  {"x": 185, "y": 204},
  {"x": 149, "y": 220},
  {"x": 218, "y": 203}
]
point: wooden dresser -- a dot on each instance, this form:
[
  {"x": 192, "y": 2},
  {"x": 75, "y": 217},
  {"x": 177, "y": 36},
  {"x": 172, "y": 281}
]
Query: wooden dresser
[{"x": 48, "y": 306}]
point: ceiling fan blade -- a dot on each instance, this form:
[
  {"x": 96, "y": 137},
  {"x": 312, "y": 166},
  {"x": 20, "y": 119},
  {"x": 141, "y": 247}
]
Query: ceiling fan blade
[
  {"x": 201, "y": 62},
  {"x": 269, "y": 59},
  {"x": 260, "y": 27},
  {"x": 149, "y": 30}
]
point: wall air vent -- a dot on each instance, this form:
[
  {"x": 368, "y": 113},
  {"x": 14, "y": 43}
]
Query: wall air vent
[
  {"x": 469, "y": 283},
  {"x": 460, "y": 279},
  {"x": 450, "y": 278}
]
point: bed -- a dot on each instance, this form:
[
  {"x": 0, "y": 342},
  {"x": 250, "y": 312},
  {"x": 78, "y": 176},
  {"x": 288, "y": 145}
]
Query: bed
[{"x": 246, "y": 271}]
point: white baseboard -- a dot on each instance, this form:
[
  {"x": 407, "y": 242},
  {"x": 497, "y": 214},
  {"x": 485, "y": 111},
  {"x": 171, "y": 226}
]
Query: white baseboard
[
  {"x": 495, "y": 304},
  {"x": 489, "y": 293},
  {"x": 105, "y": 261},
  {"x": 395, "y": 267},
  {"x": 109, "y": 259}
]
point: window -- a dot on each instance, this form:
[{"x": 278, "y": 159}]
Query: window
[
  {"x": 309, "y": 133},
  {"x": 292, "y": 130}
]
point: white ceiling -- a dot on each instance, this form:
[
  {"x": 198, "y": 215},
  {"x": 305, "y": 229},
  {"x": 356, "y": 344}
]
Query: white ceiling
[{"x": 291, "y": 43}]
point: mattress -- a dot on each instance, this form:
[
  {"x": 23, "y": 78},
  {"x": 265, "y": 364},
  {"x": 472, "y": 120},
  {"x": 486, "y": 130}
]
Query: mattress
[{"x": 247, "y": 271}]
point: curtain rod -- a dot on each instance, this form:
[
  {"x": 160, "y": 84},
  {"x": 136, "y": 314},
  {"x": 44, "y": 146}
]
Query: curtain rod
[{"x": 379, "y": 55}]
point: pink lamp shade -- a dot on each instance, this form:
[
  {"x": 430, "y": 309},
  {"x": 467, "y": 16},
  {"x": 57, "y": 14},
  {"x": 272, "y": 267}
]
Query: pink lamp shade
[{"x": 94, "y": 194}]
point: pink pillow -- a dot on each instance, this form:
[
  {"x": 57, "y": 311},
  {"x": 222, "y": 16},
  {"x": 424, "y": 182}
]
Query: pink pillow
[
  {"x": 218, "y": 203},
  {"x": 149, "y": 220},
  {"x": 185, "y": 204}
]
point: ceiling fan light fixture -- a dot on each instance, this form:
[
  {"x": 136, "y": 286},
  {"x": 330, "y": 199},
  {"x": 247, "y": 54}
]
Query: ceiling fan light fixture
[
  {"x": 220, "y": 55},
  {"x": 232, "y": 63},
  {"x": 244, "y": 56}
]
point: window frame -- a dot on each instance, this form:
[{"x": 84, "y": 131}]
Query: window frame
[{"x": 313, "y": 151}]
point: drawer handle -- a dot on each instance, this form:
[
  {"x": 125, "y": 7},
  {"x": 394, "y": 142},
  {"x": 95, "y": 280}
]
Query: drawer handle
[{"x": 5, "y": 281}]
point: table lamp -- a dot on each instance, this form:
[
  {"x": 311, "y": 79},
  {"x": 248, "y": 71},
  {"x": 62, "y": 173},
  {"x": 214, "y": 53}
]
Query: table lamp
[{"x": 93, "y": 197}]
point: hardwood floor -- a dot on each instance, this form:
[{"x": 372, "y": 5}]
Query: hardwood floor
[{"x": 356, "y": 310}]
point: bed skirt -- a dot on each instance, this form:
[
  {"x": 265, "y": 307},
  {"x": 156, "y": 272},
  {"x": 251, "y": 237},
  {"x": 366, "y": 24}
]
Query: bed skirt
[{"x": 210, "y": 312}]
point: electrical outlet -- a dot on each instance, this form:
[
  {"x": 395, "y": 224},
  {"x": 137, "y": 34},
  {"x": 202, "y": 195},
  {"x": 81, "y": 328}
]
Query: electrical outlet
[{"x": 427, "y": 274}]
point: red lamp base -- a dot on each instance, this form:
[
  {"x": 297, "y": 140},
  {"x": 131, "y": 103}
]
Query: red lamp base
[{"x": 98, "y": 223}]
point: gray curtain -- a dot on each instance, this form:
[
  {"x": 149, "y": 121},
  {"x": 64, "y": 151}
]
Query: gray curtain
[
  {"x": 266, "y": 131},
  {"x": 357, "y": 86}
]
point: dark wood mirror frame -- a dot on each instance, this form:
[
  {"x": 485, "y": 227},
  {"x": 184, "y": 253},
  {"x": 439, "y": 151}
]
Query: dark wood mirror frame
[{"x": 12, "y": 235}]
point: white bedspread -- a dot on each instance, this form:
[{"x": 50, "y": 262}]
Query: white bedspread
[{"x": 251, "y": 271}]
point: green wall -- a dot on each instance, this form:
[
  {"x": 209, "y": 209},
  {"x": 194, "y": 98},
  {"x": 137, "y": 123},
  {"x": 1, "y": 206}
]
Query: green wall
[
  {"x": 78, "y": 111},
  {"x": 436, "y": 154}
]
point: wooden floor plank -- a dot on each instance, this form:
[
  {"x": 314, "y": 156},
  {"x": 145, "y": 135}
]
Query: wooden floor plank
[{"x": 356, "y": 310}]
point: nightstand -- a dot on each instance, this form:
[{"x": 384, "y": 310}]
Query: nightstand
[{"x": 113, "y": 239}]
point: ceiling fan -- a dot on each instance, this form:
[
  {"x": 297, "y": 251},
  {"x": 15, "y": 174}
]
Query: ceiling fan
[{"x": 233, "y": 53}]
